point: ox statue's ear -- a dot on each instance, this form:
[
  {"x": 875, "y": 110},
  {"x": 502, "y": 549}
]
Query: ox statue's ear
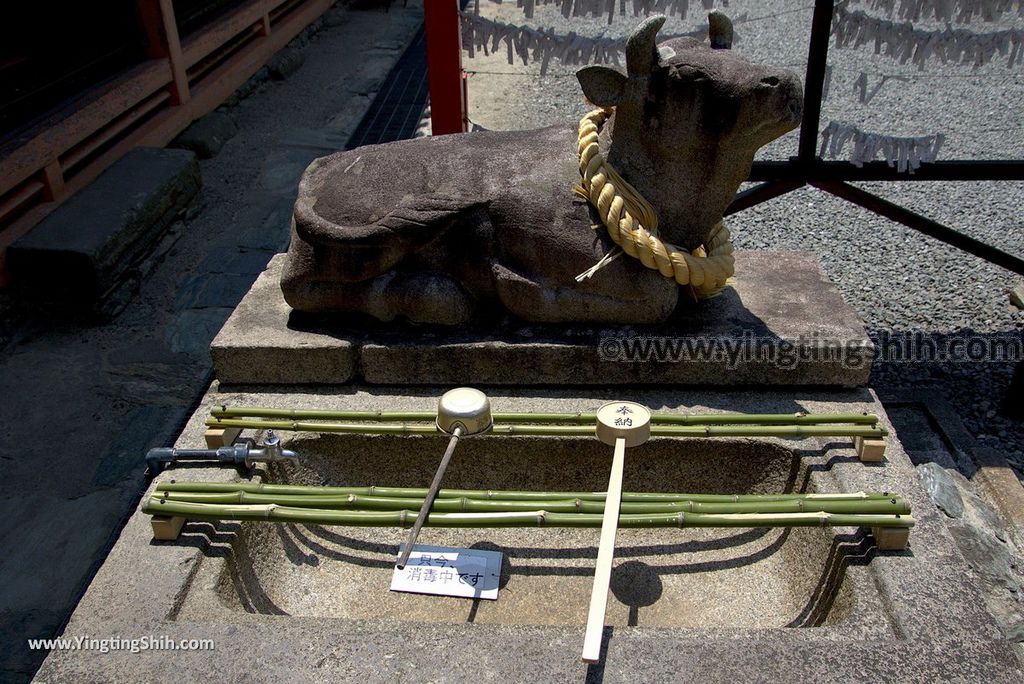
[{"x": 602, "y": 85}]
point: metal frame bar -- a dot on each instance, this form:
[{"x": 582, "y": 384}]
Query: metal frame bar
[
  {"x": 762, "y": 193},
  {"x": 780, "y": 177},
  {"x": 448, "y": 109},
  {"x": 814, "y": 82},
  {"x": 820, "y": 170},
  {"x": 923, "y": 224}
]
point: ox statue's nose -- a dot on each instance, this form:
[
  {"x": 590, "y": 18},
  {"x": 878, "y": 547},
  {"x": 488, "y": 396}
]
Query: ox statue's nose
[
  {"x": 789, "y": 91},
  {"x": 796, "y": 109}
]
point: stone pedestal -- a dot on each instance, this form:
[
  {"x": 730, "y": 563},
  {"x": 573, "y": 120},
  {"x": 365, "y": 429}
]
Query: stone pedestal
[
  {"x": 781, "y": 323},
  {"x": 809, "y": 604}
]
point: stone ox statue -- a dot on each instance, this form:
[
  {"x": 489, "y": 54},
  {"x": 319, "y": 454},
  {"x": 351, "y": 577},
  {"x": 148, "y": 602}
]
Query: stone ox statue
[{"x": 455, "y": 228}]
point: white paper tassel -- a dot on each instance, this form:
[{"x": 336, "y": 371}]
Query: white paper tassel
[
  {"x": 543, "y": 45},
  {"x": 902, "y": 42},
  {"x": 596, "y": 8},
  {"x": 537, "y": 45},
  {"x": 960, "y": 11},
  {"x": 905, "y": 154}
]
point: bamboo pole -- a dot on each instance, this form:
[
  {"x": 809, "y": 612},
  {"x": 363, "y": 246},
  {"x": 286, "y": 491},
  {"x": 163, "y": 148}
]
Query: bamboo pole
[
  {"x": 893, "y": 506},
  {"x": 580, "y": 417},
  {"x": 538, "y": 518},
  {"x": 783, "y": 431},
  {"x": 420, "y": 492}
]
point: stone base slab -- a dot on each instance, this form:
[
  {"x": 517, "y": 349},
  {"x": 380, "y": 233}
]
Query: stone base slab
[
  {"x": 781, "y": 323},
  {"x": 915, "y": 615}
]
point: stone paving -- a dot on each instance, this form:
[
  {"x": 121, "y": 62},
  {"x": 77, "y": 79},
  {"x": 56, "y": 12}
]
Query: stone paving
[
  {"x": 952, "y": 467},
  {"x": 84, "y": 401}
]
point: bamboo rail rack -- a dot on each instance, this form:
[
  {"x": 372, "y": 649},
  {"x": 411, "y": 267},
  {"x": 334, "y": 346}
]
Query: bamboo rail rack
[
  {"x": 580, "y": 417},
  {"x": 790, "y": 431},
  {"x": 886, "y": 514},
  {"x": 225, "y": 424}
]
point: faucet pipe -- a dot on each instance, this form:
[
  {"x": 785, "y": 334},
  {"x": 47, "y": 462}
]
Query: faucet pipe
[{"x": 236, "y": 454}]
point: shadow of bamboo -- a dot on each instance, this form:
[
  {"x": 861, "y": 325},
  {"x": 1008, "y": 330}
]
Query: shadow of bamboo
[
  {"x": 512, "y": 554},
  {"x": 536, "y": 552},
  {"x": 228, "y": 541},
  {"x": 846, "y": 550}
]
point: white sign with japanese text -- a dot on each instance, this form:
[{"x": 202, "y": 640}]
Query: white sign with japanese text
[{"x": 444, "y": 571}]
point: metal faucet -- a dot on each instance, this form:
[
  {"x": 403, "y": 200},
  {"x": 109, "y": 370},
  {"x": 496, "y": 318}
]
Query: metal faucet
[
  {"x": 269, "y": 451},
  {"x": 235, "y": 454}
]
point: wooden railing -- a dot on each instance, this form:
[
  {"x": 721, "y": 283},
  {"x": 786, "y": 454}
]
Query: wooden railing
[{"x": 147, "y": 105}]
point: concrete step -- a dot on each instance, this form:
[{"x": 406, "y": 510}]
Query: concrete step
[{"x": 90, "y": 248}]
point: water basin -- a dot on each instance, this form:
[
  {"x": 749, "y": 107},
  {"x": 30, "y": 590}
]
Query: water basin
[{"x": 691, "y": 578}]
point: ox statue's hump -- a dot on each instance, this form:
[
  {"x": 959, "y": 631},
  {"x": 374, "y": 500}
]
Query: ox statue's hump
[{"x": 360, "y": 187}]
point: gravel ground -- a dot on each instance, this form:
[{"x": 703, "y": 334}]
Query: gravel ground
[{"x": 897, "y": 279}]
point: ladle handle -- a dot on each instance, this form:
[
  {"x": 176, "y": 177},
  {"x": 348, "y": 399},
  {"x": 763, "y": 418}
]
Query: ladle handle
[
  {"x": 428, "y": 501},
  {"x": 605, "y": 553}
]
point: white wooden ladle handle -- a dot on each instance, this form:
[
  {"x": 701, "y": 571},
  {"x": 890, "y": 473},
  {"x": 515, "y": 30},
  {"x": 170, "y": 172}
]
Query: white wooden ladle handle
[
  {"x": 605, "y": 553},
  {"x": 622, "y": 424}
]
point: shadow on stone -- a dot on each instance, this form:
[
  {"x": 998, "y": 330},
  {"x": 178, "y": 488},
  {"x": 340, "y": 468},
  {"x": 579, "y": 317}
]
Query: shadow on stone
[{"x": 636, "y": 584}]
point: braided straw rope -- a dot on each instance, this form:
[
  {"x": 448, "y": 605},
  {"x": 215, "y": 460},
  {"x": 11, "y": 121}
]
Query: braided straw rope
[{"x": 633, "y": 225}]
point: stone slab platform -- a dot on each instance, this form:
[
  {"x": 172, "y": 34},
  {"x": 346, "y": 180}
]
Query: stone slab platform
[
  {"x": 782, "y": 323},
  {"x": 93, "y": 242},
  {"x": 933, "y": 622}
]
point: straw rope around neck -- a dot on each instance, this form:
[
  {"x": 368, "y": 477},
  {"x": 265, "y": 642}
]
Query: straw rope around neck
[{"x": 633, "y": 225}]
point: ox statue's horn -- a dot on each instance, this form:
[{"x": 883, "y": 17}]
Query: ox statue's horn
[
  {"x": 719, "y": 30},
  {"x": 642, "y": 47}
]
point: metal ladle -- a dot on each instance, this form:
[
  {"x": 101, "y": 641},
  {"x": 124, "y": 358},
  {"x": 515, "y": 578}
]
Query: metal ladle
[{"x": 461, "y": 412}]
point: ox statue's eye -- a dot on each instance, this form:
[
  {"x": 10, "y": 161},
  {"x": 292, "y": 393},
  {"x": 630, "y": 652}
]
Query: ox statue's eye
[{"x": 770, "y": 81}]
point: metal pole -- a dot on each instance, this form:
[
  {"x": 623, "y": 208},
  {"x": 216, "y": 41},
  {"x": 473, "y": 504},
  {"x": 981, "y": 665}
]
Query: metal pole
[
  {"x": 444, "y": 66},
  {"x": 924, "y": 224},
  {"x": 820, "y": 170},
  {"x": 761, "y": 193},
  {"x": 428, "y": 500},
  {"x": 814, "y": 83},
  {"x": 780, "y": 177}
]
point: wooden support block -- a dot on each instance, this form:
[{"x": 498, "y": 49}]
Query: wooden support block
[
  {"x": 218, "y": 437},
  {"x": 1017, "y": 296},
  {"x": 53, "y": 179},
  {"x": 870, "y": 449},
  {"x": 891, "y": 538},
  {"x": 166, "y": 527}
]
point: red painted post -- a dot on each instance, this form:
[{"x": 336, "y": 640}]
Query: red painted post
[{"x": 444, "y": 66}]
